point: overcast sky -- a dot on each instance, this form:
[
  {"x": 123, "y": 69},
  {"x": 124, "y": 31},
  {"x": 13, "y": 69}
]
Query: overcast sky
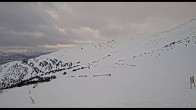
[{"x": 60, "y": 25}]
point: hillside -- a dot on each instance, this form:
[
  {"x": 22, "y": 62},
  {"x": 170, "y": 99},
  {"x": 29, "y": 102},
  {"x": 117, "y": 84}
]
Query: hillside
[{"x": 115, "y": 73}]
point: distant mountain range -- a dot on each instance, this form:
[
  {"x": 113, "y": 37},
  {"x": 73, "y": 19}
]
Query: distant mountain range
[{"x": 6, "y": 57}]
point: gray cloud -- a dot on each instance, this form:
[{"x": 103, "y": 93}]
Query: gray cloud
[{"x": 67, "y": 24}]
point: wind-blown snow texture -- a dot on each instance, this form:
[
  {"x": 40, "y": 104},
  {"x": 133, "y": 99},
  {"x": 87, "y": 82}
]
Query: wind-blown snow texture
[{"x": 126, "y": 73}]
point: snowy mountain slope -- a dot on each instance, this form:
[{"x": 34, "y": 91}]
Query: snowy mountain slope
[
  {"x": 151, "y": 73},
  {"x": 63, "y": 62}
]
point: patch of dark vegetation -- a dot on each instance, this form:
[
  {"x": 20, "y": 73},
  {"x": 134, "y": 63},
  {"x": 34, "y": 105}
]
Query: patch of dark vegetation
[
  {"x": 169, "y": 46},
  {"x": 33, "y": 80},
  {"x": 83, "y": 76},
  {"x": 102, "y": 75},
  {"x": 64, "y": 73},
  {"x": 76, "y": 69}
]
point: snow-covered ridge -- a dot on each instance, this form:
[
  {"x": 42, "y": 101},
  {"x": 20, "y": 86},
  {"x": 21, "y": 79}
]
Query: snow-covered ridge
[
  {"x": 87, "y": 56},
  {"x": 151, "y": 73},
  {"x": 54, "y": 64}
]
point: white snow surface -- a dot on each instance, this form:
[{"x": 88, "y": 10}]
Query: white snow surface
[{"x": 137, "y": 73}]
